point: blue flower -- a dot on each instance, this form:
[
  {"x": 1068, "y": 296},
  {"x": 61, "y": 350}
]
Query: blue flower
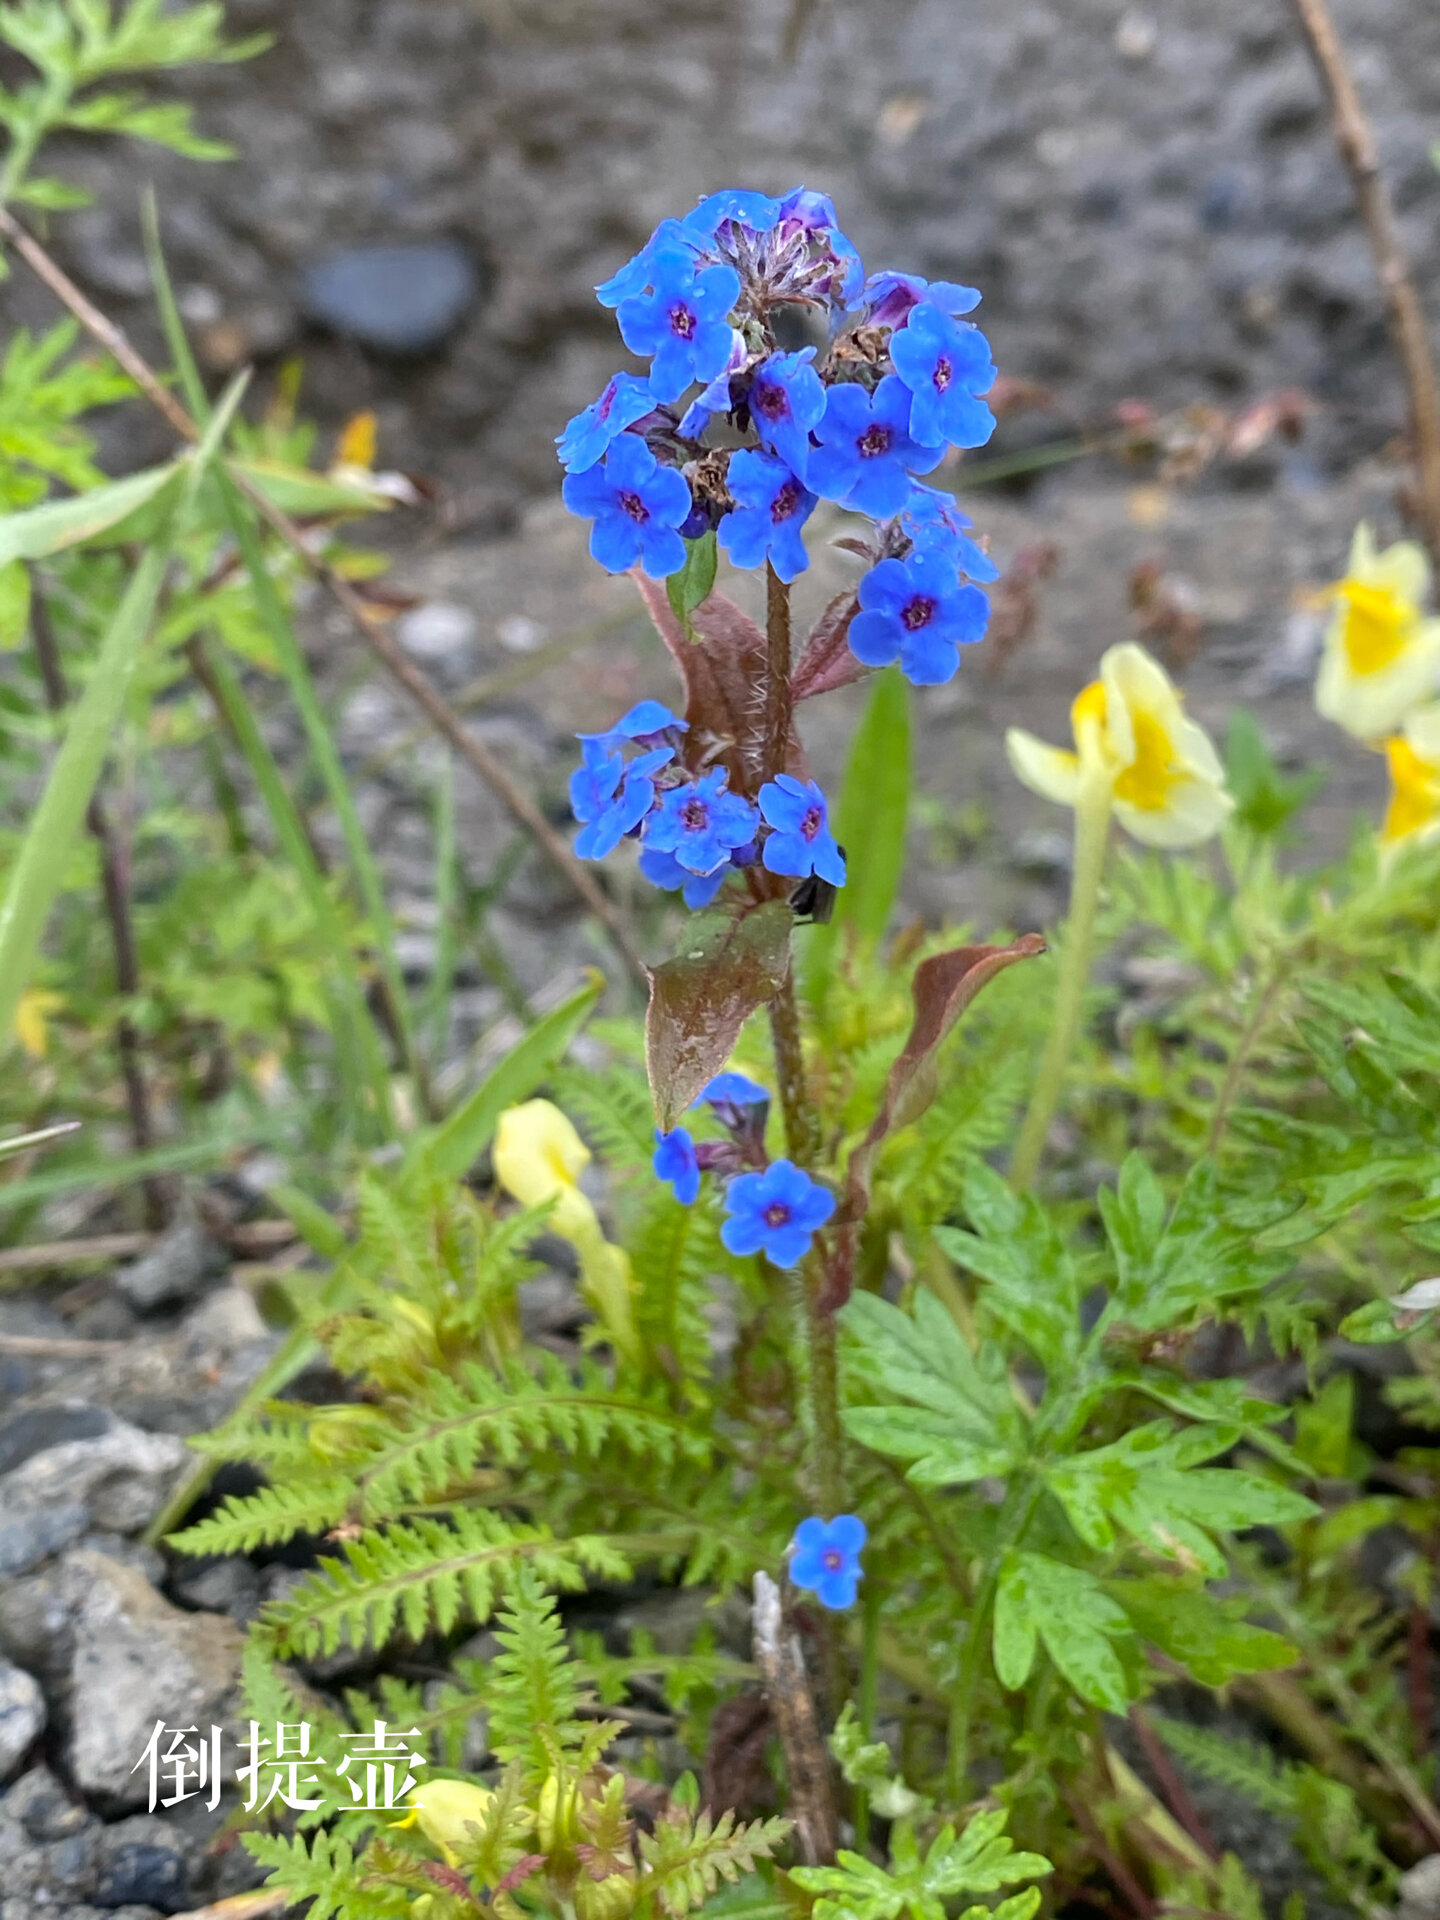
[
  {"x": 777, "y": 1212},
  {"x": 647, "y": 720},
  {"x": 675, "y": 1161},
  {"x": 638, "y": 507},
  {"x": 826, "y": 1559},
  {"x": 917, "y": 611},
  {"x": 945, "y": 364},
  {"x": 891, "y": 297},
  {"x": 866, "y": 452},
  {"x": 757, "y": 211},
  {"x": 716, "y": 397},
  {"x": 732, "y": 1090},
  {"x": 634, "y": 276},
  {"x": 935, "y": 524},
  {"x": 663, "y": 870},
  {"x": 814, "y": 213},
  {"x": 682, "y": 321},
  {"x": 700, "y": 823},
  {"x": 772, "y": 505},
  {"x": 626, "y": 399},
  {"x": 609, "y": 799},
  {"x": 801, "y": 841},
  {"x": 786, "y": 401}
]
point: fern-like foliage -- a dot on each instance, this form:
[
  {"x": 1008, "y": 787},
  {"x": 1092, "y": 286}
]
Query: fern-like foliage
[
  {"x": 324, "y": 1871},
  {"x": 688, "y": 1856}
]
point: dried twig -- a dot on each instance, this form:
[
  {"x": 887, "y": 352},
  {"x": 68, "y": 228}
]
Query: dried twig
[
  {"x": 381, "y": 642},
  {"x": 807, "y": 1761},
  {"x": 35, "y": 1346},
  {"x": 1407, "y": 317},
  {"x": 241, "y": 1906},
  {"x": 74, "y": 1253}
]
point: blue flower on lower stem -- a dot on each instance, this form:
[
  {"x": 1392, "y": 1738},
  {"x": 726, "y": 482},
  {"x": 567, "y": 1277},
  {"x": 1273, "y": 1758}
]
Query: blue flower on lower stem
[
  {"x": 675, "y": 1161},
  {"x": 777, "y": 1213},
  {"x": 638, "y": 507},
  {"x": 626, "y": 399},
  {"x": 946, "y": 364},
  {"x": 935, "y": 523},
  {"x": 800, "y": 841},
  {"x": 786, "y": 401},
  {"x": 917, "y": 611},
  {"x": 826, "y": 1559},
  {"x": 867, "y": 453},
  {"x": 890, "y": 298},
  {"x": 732, "y": 1089},
  {"x": 663, "y": 870},
  {"x": 682, "y": 321},
  {"x": 610, "y": 799},
  {"x": 700, "y": 823},
  {"x": 771, "y": 508}
]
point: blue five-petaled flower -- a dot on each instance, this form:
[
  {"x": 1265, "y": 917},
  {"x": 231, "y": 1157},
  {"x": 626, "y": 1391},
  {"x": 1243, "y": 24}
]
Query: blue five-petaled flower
[
  {"x": 675, "y": 1161},
  {"x": 777, "y": 1213},
  {"x": 771, "y": 506},
  {"x": 786, "y": 401},
  {"x": 700, "y": 823},
  {"x": 663, "y": 870},
  {"x": 800, "y": 840},
  {"x": 945, "y": 364},
  {"x": 609, "y": 798},
  {"x": 918, "y": 612},
  {"x": 826, "y": 1559},
  {"x": 681, "y": 321},
  {"x": 638, "y": 508},
  {"x": 867, "y": 452},
  {"x": 626, "y": 398}
]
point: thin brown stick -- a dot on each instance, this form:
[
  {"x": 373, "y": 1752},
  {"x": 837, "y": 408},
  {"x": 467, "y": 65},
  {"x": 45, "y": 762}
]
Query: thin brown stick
[
  {"x": 807, "y": 1761},
  {"x": 1167, "y": 1776},
  {"x": 35, "y": 1346},
  {"x": 475, "y": 754},
  {"x": 115, "y": 887},
  {"x": 74, "y": 1253},
  {"x": 1407, "y": 317}
]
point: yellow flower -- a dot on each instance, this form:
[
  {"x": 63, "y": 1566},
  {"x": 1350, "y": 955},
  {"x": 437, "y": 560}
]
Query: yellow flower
[
  {"x": 538, "y": 1156},
  {"x": 446, "y": 1812},
  {"x": 1382, "y": 653},
  {"x": 32, "y": 1019},
  {"x": 1134, "y": 744},
  {"x": 1414, "y": 756}
]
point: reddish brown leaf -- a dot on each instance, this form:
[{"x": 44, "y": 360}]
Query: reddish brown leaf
[
  {"x": 700, "y": 1000},
  {"x": 452, "y": 1880},
  {"x": 724, "y": 673},
  {"x": 827, "y": 661},
  {"x": 943, "y": 988},
  {"x": 527, "y": 1864}
]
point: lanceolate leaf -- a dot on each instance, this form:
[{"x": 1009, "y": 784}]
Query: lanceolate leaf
[
  {"x": 69, "y": 523},
  {"x": 693, "y": 585},
  {"x": 827, "y": 661},
  {"x": 700, "y": 1000}
]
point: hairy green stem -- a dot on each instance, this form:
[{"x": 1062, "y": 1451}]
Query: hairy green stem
[{"x": 1092, "y": 833}]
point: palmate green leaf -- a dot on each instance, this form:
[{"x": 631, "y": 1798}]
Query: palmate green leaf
[
  {"x": 1043, "y": 1599},
  {"x": 982, "y": 1859},
  {"x": 1166, "y": 1270},
  {"x": 963, "y": 1423},
  {"x": 1148, "y": 1484},
  {"x": 1210, "y": 1637},
  {"x": 1033, "y": 1281}
]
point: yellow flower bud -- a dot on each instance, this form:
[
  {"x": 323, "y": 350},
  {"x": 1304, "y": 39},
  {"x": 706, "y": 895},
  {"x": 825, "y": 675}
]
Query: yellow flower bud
[{"x": 447, "y": 1809}]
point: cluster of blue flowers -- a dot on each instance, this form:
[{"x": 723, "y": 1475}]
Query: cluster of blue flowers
[
  {"x": 692, "y": 830},
  {"x": 775, "y": 1208},
  {"x": 899, "y": 380}
]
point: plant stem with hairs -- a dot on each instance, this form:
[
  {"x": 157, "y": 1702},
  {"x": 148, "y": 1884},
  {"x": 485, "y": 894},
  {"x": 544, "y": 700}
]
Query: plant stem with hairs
[{"x": 1092, "y": 833}]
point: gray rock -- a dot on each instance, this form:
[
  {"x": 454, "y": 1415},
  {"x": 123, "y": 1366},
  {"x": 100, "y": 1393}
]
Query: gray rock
[
  {"x": 174, "y": 1269},
  {"x": 117, "y": 1481},
  {"x": 46, "y": 1810},
  {"x": 219, "y": 1586},
  {"x": 22, "y": 1716},
  {"x": 37, "y": 1623},
  {"x": 137, "y": 1660},
  {"x": 38, "y": 1873},
  {"x": 141, "y": 1863},
  {"x": 37, "y": 1429},
  {"x": 1420, "y": 1890},
  {"x": 399, "y": 299}
]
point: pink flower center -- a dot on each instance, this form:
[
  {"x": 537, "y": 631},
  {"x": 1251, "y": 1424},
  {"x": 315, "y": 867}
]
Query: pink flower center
[
  {"x": 917, "y": 613},
  {"x": 776, "y": 1214},
  {"x": 635, "y": 507},
  {"x": 772, "y": 401},
  {"x": 607, "y": 401},
  {"x": 832, "y": 1559},
  {"x": 787, "y": 498},
  {"x": 695, "y": 815},
  {"x": 875, "y": 440},
  {"x": 812, "y": 823},
  {"x": 944, "y": 372},
  {"x": 683, "y": 321}
]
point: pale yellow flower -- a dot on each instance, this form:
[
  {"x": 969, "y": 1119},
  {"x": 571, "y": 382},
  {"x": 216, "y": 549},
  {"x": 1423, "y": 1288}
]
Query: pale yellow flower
[
  {"x": 1382, "y": 651},
  {"x": 538, "y": 1156},
  {"x": 32, "y": 1019},
  {"x": 446, "y": 1810},
  {"x": 1414, "y": 757},
  {"x": 1133, "y": 742}
]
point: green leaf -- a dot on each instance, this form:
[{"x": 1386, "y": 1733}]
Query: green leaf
[
  {"x": 1041, "y": 1599},
  {"x": 14, "y": 605},
  {"x": 58, "y": 524},
  {"x": 1265, "y": 801},
  {"x": 1033, "y": 1284},
  {"x": 692, "y": 586},
  {"x": 870, "y": 822},
  {"x": 964, "y": 1423},
  {"x": 1379, "y": 1323},
  {"x": 1208, "y": 1636},
  {"x": 450, "y": 1150},
  {"x": 52, "y": 196}
]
